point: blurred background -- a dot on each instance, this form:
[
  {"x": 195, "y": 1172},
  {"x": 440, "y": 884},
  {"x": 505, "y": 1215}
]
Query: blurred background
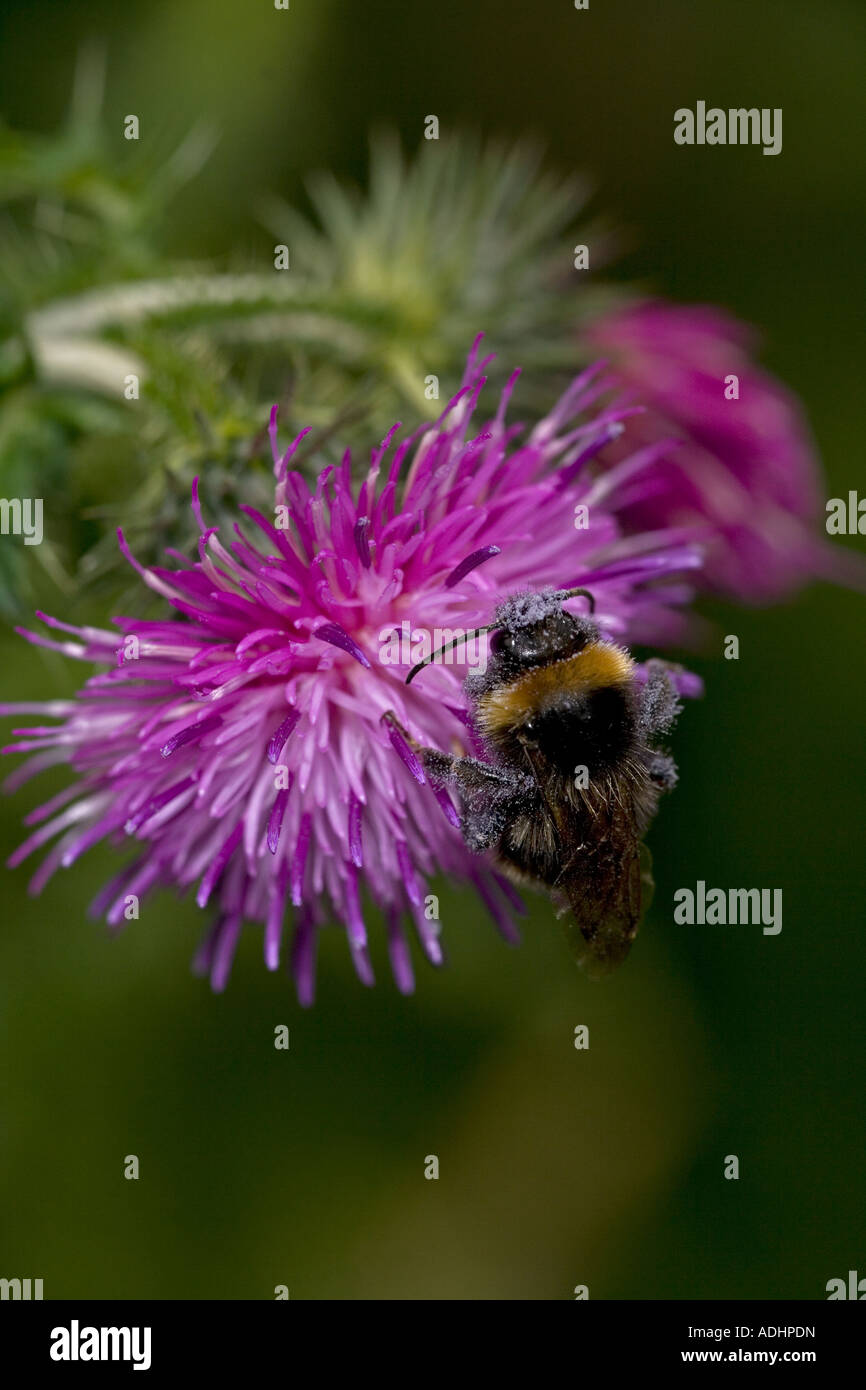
[{"x": 558, "y": 1167}]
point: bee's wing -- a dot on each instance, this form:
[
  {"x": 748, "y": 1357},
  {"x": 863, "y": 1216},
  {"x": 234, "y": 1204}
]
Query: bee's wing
[
  {"x": 604, "y": 894},
  {"x": 605, "y": 885}
]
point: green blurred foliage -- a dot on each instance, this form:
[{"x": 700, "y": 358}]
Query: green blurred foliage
[
  {"x": 558, "y": 1167},
  {"x": 173, "y": 365}
]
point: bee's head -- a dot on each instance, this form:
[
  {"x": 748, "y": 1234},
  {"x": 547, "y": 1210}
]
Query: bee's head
[
  {"x": 528, "y": 630},
  {"x": 533, "y": 630}
]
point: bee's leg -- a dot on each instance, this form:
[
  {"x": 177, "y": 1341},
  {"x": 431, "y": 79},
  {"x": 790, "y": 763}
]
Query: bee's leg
[
  {"x": 471, "y": 774},
  {"x": 467, "y": 774},
  {"x": 488, "y": 794},
  {"x": 454, "y": 767},
  {"x": 662, "y": 770},
  {"x": 487, "y": 791},
  {"x": 659, "y": 701}
]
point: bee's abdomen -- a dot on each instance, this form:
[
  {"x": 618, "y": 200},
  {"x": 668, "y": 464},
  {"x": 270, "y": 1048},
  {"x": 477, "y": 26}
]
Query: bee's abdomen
[
  {"x": 579, "y": 711},
  {"x": 595, "y": 730},
  {"x": 530, "y": 845}
]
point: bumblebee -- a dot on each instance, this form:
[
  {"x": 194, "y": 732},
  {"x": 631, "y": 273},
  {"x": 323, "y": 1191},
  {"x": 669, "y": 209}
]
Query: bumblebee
[{"x": 573, "y": 772}]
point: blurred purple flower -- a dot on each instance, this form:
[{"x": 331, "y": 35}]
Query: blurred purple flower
[
  {"x": 746, "y": 473},
  {"x": 241, "y": 746}
]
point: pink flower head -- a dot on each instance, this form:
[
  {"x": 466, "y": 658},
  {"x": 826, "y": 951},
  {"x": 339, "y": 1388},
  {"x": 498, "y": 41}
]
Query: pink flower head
[
  {"x": 745, "y": 474},
  {"x": 239, "y": 746}
]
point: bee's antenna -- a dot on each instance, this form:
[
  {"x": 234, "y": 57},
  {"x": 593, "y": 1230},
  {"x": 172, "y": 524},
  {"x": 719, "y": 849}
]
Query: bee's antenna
[
  {"x": 578, "y": 593},
  {"x": 467, "y": 636}
]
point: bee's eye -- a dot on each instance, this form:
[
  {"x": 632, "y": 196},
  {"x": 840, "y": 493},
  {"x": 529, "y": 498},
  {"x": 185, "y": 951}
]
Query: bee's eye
[{"x": 497, "y": 641}]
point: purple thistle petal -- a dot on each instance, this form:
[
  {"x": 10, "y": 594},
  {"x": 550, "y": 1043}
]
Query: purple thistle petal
[
  {"x": 504, "y": 924},
  {"x": 218, "y": 865},
  {"x": 398, "y": 951},
  {"x": 275, "y": 820},
  {"x": 686, "y": 683},
  {"x": 356, "y": 853},
  {"x": 410, "y": 758},
  {"x": 355, "y": 928},
  {"x": 330, "y": 632},
  {"x": 589, "y": 451},
  {"x": 196, "y": 507},
  {"x": 361, "y": 962},
  {"x": 224, "y": 952},
  {"x": 276, "y": 912},
  {"x": 299, "y": 860},
  {"x": 362, "y": 545},
  {"x": 203, "y": 958},
  {"x": 156, "y": 803},
  {"x": 303, "y": 961},
  {"x": 452, "y": 815},
  {"x": 470, "y": 563},
  {"x": 36, "y": 639},
  {"x": 428, "y": 936},
  {"x": 106, "y": 895},
  {"x": 192, "y": 731},
  {"x": 410, "y": 878},
  {"x": 508, "y": 889},
  {"x": 41, "y": 836},
  {"x": 55, "y": 803},
  {"x": 280, "y": 736},
  {"x": 81, "y": 843}
]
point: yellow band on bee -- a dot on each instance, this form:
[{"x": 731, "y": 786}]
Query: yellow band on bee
[{"x": 600, "y": 664}]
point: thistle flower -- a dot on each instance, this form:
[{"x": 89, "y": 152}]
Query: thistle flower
[
  {"x": 745, "y": 473},
  {"x": 240, "y": 745}
]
